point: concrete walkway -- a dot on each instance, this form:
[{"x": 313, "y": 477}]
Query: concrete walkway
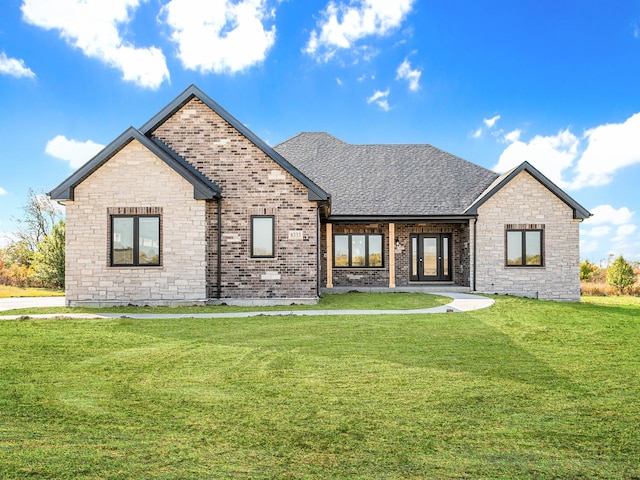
[
  {"x": 461, "y": 302},
  {"x": 30, "y": 302}
]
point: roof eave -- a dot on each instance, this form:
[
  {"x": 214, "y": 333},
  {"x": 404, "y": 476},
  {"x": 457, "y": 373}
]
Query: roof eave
[{"x": 453, "y": 218}]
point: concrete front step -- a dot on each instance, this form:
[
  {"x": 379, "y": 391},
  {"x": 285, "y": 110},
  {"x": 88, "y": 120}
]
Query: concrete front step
[{"x": 435, "y": 289}]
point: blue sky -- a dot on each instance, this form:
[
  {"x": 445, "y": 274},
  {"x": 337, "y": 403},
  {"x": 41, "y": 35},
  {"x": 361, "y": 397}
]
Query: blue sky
[{"x": 495, "y": 82}]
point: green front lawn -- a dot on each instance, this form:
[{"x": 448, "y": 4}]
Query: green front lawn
[
  {"x": 337, "y": 301},
  {"x": 8, "y": 292},
  {"x": 525, "y": 389}
]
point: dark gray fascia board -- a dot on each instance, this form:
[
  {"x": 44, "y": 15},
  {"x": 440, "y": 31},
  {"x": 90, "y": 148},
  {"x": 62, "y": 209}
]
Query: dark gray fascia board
[
  {"x": 399, "y": 218},
  {"x": 579, "y": 212},
  {"x": 203, "y": 188},
  {"x": 315, "y": 192}
]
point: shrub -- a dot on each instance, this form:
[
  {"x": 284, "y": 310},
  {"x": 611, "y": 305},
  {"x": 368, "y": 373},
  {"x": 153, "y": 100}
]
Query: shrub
[
  {"x": 586, "y": 270},
  {"x": 620, "y": 274}
]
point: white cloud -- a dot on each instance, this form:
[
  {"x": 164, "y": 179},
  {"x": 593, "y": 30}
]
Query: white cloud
[
  {"x": 625, "y": 230},
  {"x": 491, "y": 122},
  {"x": 342, "y": 24},
  {"x": 513, "y": 136},
  {"x": 609, "y": 148},
  {"x": 487, "y": 123},
  {"x": 2, "y": 191},
  {"x": 625, "y": 242},
  {"x": 220, "y": 36},
  {"x": 405, "y": 72},
  {"x": 551, "y": 155},
  {"x": 601, "y": 231},
  {"x": 338, "y": 81},
  {"x": 93, "y": 27},
  {"x": 607, "y": 215},
  {"x": 73, "y": 151},
  {"x": 381, "y": 99},
  {"x": 14, "y": 67},
  {"x": 477, "y": 133},
  {"x": 575, "y": 163}
]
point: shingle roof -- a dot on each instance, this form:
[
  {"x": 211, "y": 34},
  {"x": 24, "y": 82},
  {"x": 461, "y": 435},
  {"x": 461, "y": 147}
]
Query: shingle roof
[{"x": 387, "y": 180}]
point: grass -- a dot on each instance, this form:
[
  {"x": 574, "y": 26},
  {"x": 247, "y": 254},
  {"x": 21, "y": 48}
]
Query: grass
[
  {"x": 8, "y": 292},
  {"x": 338, "y": 301},
  {"x": 611, "y": 300},
  {"x": 525, "y": 389}
]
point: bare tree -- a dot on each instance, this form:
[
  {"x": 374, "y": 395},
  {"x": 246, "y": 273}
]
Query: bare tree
[{"x": 40, "y": 215}]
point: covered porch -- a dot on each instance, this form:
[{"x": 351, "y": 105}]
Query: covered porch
[{"x": 411, "y": 254}]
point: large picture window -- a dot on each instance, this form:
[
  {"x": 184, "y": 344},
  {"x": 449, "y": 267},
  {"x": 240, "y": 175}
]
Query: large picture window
[
  {"x": 357, "y": 250},
  {"x": 135, "y": 240},
  {"x": 524, "y": 248},
  {"x": 262, "y": 237}
]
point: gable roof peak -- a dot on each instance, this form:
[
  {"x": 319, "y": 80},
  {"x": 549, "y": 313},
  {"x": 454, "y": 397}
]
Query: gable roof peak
[
  {"x": 315, "y": 192},
  {"x": 579, "y": 212},
  {"x": 203, "y": 188}
]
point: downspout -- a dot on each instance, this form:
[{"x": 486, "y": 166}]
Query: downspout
[
  {"x": 219, "y": 256},
  {"x": 475, "y": 250},
  {"x": 319, "y": 252}
]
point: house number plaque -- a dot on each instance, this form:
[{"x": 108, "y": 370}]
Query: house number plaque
[{"x": 296, "y": 235}]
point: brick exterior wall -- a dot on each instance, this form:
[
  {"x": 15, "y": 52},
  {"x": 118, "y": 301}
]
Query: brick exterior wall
[
  {"x": 135, "y": 181},
  {"x": 379, "y": 277},
  {"x": 252, "y": 184},
  {"x": 525, "y": 201}
]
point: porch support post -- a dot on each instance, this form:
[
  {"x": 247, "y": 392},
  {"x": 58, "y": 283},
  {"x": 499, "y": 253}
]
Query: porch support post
[
  {"x": 392, "y": 255},
  {"x": 329, "y": 255}
]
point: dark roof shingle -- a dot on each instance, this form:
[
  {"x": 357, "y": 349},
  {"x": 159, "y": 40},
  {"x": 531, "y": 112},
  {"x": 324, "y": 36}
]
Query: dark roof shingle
[{"x": 387, "y": 180}]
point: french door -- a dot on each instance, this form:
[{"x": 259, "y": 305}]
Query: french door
[{"x": 430, "y": 257}]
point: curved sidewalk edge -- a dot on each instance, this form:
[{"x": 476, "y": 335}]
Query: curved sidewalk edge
[{"x": 461, "y": 302}]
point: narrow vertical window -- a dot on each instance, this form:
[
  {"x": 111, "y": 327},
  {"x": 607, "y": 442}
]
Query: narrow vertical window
[
  {"x": 262, "y": 237},
  {"x": 375, "y": 250},
  {"x": 358, "y": 251},
  {"x": 135, "y": 240},
  {"x": 341, "y": 251},
  {"x": 149, "y": 240}
]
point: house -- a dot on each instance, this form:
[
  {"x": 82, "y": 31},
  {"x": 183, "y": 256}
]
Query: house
[{"x": 194, "y": 208}]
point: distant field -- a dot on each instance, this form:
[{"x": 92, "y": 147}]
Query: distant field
[
  {"x": 8, "y": 292},
  {"x": 524, "y": 389}
]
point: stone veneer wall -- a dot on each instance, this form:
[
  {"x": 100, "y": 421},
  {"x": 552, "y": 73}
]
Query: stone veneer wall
[
  {"x": 379, "y": 277},
  {"x": 252, "y": 184},
  {"x": 132, "y": 181},
  {"x": 525, "y": 201}
]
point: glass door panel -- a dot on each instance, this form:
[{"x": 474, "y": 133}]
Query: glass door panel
[
  {"x": 414, "y": 257},
  {"x": 445, "y": 256},
  {"x": 429, "y": 256}
]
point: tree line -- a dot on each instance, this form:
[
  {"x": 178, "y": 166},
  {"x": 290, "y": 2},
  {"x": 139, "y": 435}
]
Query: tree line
[
  {"x": 34, "y": 255},
  {"x": 618, "y": 277}
]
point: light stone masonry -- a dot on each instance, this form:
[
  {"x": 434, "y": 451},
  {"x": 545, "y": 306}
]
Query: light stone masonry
[
  {"x": 135, "y": 177},
  {"x": 526, "y": 201}
]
